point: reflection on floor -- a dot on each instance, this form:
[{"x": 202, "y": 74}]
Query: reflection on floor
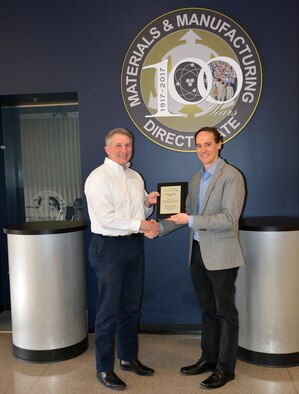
[
  {"x": 5, "y": 321},
  {"x": 165, "y": 353}
]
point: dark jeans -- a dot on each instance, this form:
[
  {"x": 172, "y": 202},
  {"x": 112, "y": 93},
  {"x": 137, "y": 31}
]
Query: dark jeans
[
  {"x": 215, "y": 291},
  {"x": 119, "y": 266}
]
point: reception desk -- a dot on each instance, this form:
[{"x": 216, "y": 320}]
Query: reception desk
[
  {"x": 267, "y": 291},
  {"x": 48, "y": 290}
]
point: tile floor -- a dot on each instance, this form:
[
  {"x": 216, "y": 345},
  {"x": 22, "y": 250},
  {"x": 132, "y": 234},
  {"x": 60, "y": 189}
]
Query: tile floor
[{"x": 165, "y": 353}]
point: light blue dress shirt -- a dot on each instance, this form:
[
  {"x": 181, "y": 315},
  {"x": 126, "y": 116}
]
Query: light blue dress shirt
[{"x": 206, "y": 176}]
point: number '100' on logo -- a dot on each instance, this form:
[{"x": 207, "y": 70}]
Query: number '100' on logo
[{"x": 187, "y": 69}]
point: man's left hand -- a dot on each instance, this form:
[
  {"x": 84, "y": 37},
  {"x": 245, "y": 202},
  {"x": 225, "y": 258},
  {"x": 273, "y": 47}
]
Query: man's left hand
[
  {"x": 179, "y": 218},
  {"x": 151, "y": 199}
]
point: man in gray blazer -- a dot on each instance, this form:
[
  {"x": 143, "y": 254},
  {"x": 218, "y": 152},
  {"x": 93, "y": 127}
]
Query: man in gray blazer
[{"x": 213, "y": 205}]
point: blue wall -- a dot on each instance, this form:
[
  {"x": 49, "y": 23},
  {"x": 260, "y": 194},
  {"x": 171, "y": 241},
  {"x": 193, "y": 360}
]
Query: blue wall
[{"x": 66, "y": 46}]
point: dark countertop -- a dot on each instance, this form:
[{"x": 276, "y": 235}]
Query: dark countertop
[
  {"x": 44, "y": 227},
  {"x": 269, "y": 223}
]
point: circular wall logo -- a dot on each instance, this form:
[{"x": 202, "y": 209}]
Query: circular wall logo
[{"x": 187, "y": 69}]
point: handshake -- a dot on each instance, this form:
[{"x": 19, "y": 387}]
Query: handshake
[{"x": 150, "y": 228}]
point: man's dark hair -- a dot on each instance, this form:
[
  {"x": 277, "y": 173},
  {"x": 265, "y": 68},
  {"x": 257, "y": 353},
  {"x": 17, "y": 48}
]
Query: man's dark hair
[{"x": 217, "y": 136}]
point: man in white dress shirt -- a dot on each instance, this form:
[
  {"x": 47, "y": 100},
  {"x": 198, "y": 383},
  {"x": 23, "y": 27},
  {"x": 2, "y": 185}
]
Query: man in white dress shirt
[{"x": 118, "y": 206}]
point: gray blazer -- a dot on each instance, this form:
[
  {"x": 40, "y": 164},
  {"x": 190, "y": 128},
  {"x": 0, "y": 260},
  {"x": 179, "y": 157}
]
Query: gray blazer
[{"x": 217, "y": 222}]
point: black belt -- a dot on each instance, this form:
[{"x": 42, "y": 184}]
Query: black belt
[{"x": 129, "y": 236}]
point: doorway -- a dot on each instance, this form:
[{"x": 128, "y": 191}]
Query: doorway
[
  {"x": 42, "y": 163},
  {"x": 40, "y": 171}
]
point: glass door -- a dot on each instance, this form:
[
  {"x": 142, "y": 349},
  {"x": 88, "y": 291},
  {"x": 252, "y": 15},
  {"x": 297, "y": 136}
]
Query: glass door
[{"x": 42, "y": 163}]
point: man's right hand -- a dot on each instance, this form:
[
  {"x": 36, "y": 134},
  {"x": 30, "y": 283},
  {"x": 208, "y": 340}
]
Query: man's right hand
[{"x": 150, "y": 228}]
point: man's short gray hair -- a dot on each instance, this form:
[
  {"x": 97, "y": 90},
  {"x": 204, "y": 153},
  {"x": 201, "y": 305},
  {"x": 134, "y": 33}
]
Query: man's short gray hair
[{"x": 118, "y": 130}]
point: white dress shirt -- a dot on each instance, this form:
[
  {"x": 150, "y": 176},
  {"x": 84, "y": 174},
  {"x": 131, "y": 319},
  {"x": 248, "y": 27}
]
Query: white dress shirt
[{"x": 115, "y": 199}]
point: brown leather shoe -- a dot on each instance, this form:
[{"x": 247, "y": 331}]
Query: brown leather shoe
[
  {"x": 199, "y": 367},
  {"x": 218, "y": 379},
  {"x": 111, "y": 380},
  {"x": 136, "y": 366}
]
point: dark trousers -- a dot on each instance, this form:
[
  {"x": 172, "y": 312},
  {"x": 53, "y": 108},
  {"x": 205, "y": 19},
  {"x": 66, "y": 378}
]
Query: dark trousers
[
  {"x": 119, "y": 267},
  {"x": 215, "y": 291}
]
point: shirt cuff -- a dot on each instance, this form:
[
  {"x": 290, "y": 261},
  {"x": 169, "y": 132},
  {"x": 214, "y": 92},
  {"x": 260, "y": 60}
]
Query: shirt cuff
[
  {"x": 136, "y": 225},
  {"x": 148, "y": 211},
  {"x": 190, "y": 221},
  {"x": 161, "y": 226}
]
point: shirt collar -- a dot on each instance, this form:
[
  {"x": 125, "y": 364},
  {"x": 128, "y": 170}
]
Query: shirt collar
[
  {"x": 212, "y": 169},
  {"x": 115, "y": 166}
]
